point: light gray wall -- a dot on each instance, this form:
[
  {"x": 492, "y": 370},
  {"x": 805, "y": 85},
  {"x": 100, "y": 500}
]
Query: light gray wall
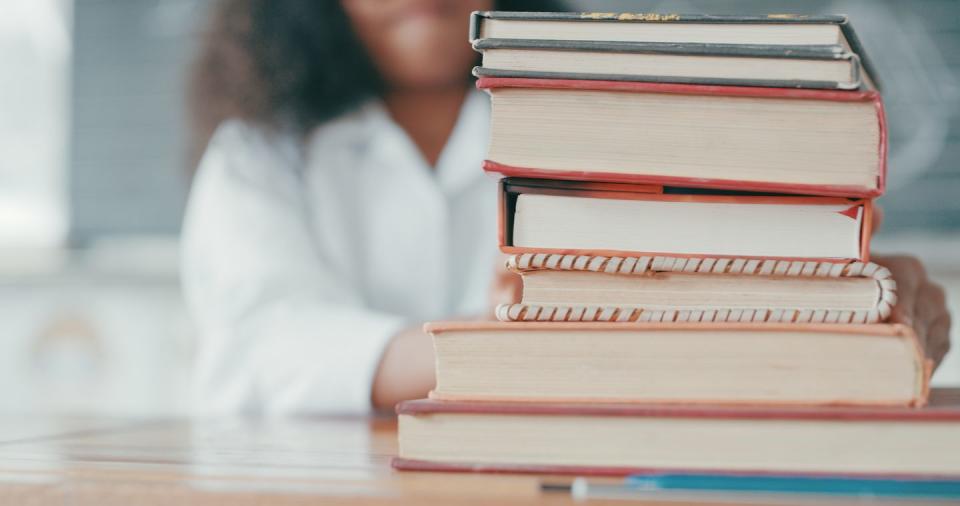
[{"x": 127, "y": 171}]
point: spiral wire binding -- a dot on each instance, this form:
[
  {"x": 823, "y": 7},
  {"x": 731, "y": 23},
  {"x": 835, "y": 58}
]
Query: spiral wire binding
[{"x": 739, "y": 266}]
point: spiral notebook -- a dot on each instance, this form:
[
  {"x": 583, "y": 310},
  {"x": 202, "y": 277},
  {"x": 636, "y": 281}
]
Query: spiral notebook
[{"x": 559, "y": 287}]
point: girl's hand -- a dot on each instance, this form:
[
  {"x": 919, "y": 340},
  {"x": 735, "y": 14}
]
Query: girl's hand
[{"x": 921, "y": 304}]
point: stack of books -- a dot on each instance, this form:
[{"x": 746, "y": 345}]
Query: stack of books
[{"x": 688, "y": 202}]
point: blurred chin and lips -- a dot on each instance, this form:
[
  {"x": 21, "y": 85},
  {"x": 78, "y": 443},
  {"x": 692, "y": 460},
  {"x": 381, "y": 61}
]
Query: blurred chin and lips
[{"x": 416, "y": 43}]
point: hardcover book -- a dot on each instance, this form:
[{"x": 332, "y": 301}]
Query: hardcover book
[
  {"x": 801, "y": 141},
  {"x": 674, "y": 363},
  {"x": 818, "y": 67},
  {"x": 779, "y": 35},
  {"x": 597, "y": 439},
  {"x": 608, "y": 219}
]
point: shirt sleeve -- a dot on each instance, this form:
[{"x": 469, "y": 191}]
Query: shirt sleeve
[{"x": 280, "y": 331}]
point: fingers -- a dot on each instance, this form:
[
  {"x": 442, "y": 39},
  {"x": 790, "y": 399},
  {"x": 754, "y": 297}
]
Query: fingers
[
  {"x": 903, "y": 313},
  {"x": 921, "y": 305},
  {"x": 938, "y": 339},
  {"x": 930, "y": 303},
  {"x": 877, "y": 218},
  {"x": 907, "y": 270},
  {"x": 932, "y": 320}
]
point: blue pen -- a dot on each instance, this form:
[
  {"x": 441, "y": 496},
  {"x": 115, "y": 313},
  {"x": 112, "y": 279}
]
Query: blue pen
[
  {"x": 873, "y": 487},
  {"x": 699, "y": 483}
]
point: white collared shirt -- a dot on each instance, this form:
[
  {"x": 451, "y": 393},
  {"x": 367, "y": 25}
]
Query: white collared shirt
[{"x": 301, "y": 260}]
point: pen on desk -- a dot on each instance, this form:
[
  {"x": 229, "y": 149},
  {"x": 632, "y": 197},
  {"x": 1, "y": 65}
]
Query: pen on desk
[
  {"x": 698, "y": 483},
  {"x": 581, "y": 489}
]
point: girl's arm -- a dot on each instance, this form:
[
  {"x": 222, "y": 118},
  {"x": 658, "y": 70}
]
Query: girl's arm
[
  {"x": 406, "y": 370},
  {"x": 281, "y": 330},
  {"x": 921, "y": 304}
]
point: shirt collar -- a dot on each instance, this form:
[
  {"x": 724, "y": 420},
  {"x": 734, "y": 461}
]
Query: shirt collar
[
  {"x": 370, "y": 132},
  {"x": 378, "y": 141}
]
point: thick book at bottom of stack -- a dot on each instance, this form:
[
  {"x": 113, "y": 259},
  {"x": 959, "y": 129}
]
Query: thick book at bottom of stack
[
  {"x": 622, "y": 398},
  {"x": 621, "y": 439}
]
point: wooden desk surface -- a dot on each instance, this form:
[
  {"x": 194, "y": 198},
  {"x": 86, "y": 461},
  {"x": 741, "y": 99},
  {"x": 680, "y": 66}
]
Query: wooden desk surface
[{"x": 335, "y": 460}]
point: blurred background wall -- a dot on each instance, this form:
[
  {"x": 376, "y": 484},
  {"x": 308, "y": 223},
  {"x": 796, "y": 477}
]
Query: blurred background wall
[{"x": 93, "y": 182}]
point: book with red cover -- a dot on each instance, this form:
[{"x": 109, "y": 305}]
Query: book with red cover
[
  {"x": 622, "y": 439},
  {"x": 802, "y": 170},
  {"x": 760, "y": 206}
]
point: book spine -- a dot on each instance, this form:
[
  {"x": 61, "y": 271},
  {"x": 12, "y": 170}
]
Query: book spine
[
  {"x": 857, "y": 48},
  {"x": 476, "y": 19},
  {"x": 883, "y": 146}
]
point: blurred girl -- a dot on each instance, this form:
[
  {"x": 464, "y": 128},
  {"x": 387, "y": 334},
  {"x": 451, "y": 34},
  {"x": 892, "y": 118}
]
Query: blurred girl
[{"x": 339, "y": 203}]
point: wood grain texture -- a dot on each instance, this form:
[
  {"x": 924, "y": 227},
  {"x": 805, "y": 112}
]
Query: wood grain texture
[{"x": 322, "y": 460}]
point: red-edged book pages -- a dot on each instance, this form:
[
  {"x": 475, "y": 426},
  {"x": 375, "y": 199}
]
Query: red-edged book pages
[
  {"x": 644, "y": 220},
  {"x": 618, "y": 439},
  {"x": 677, "y": 289},
  {"x": 649, "y": 142}
]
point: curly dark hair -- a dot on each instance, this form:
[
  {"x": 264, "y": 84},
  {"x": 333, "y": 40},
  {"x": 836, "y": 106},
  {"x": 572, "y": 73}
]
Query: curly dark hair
[{"x": 295, "y": 62}]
